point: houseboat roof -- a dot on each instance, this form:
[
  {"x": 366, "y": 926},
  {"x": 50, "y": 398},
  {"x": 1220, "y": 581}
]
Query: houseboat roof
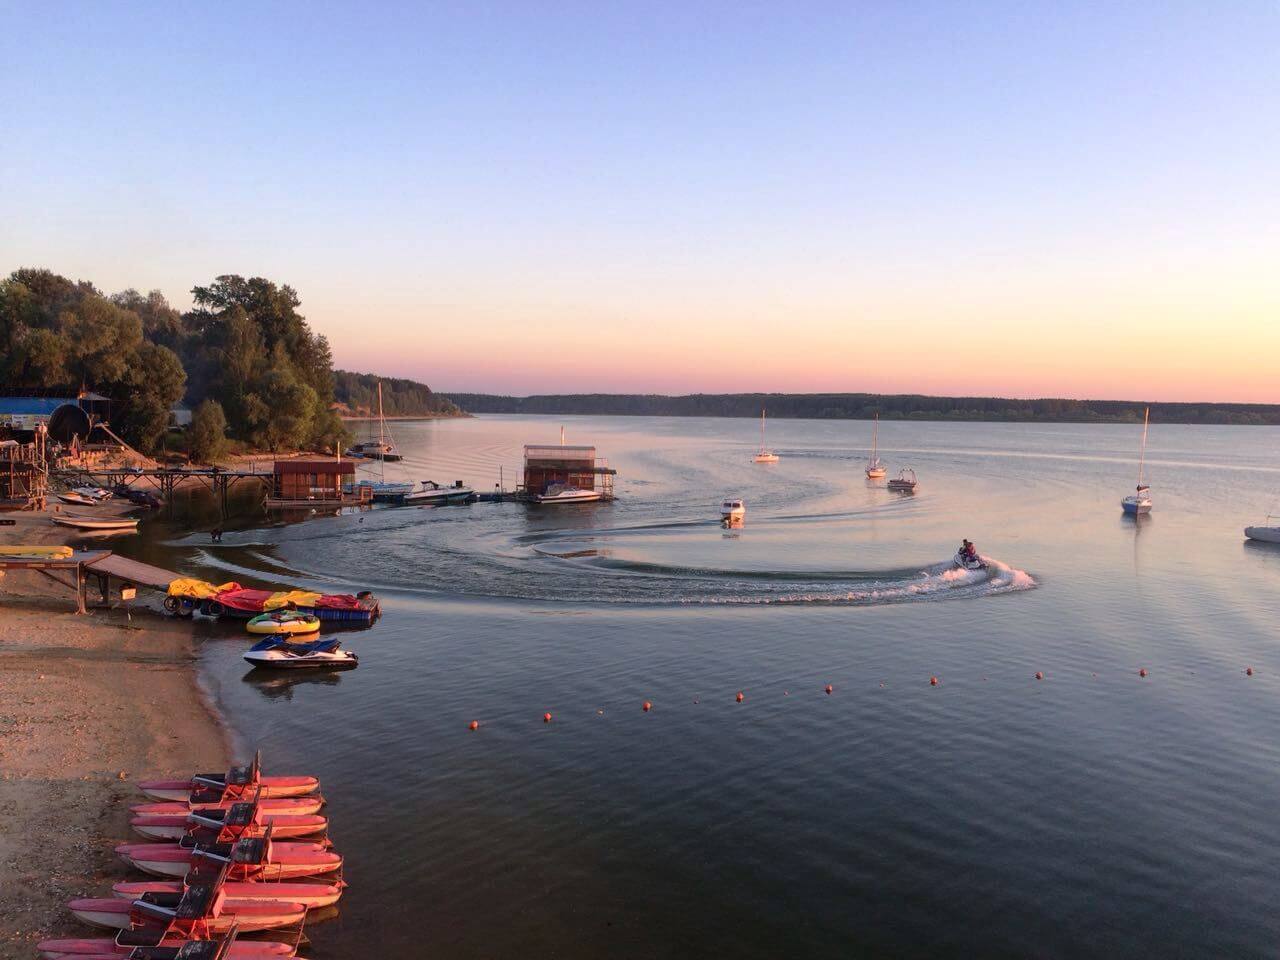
[
  {"x": 537, "y": 451},
  {"x": 327, "y": 465}
]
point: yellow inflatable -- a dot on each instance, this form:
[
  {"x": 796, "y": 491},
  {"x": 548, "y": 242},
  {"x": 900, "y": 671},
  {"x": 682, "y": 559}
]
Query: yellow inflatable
[
  {"x": 197, "y": 589},
  {"x": 296, "y": 598},
  {"x": 284, "y": 621},
  {"x": 45, "y": 553}
]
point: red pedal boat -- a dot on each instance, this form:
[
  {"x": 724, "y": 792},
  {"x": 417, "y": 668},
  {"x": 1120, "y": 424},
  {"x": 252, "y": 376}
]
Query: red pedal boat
[
  {"x": 223, "y": 825},
  {"x": 238, "y": 783},
  {"x": 148, "y": 944},
  {"x": 253, "y": 858},
  {"x": 313, "y": 896},
  {"x": 273, "y": 805}
]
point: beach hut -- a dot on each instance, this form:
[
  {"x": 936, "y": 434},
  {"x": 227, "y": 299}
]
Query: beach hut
[{"x": 567, "y": 467}]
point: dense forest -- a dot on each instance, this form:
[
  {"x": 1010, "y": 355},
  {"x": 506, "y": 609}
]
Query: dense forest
[
  {"x": 358, "y": 394},
  {"x": 243, "y": 356},
  {"x": 862, "y": 406}
]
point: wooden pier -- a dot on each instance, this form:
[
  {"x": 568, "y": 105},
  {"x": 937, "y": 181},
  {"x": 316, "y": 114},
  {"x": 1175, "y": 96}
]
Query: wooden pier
[
  {"x": 166, "y": 479},
  {"x": 75, "y": 571}
]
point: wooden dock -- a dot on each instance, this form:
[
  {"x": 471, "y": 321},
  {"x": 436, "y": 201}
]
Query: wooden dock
[{"x": 74, "y": 573}]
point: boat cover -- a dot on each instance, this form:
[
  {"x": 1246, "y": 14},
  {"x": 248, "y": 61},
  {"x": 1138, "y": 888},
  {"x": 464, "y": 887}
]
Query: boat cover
[
  {"x": 258, "y": 601},
  {"x": 198, "y": 589}
]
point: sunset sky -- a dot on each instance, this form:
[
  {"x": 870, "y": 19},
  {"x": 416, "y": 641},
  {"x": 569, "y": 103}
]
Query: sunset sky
[{"x": 1022, "y": 199}]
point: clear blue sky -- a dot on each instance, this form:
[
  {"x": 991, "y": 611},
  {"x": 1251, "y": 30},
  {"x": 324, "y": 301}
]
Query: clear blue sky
[{"x": 517, "y": 197}]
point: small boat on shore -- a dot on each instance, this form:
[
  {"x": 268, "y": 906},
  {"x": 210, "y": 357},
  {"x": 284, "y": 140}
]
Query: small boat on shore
[
  {"x": 559, "y": 494},
  {"x": 279, "y": 653},
  {"x": 254, "y": 858},
  {"x": 80, "y": 521},
  {"x": 78, "y": 499},
  {"x": 113, "y": 913},
  {"x": 242, "y": 783},
  {"x": 904, "y": 482},
  {"x": 244, "y": 819},
  {"x": 298, "y": 805},
  {"x": 284, "y": 894},
  {"x": 432, "y": 493},
  {"x": 148, "y": 943}
]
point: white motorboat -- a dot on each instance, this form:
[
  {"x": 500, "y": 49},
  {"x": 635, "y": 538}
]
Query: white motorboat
[
  {"x": 765, "y": 455},
  {"x": 904, "y": 482},
  {"x": 82, "y": 522},
  {"x": 97, "y": 494},
  {"x": 78, "y": 499},
  {"x": 1138, "y": 503},
  {"x": 733, "y": 508},
  {"x": 556, "y": 493},
  {"x": 1263, "y": 534},
  {"x": 875, "y": 469},
  {"x": 431, "y": 492}
]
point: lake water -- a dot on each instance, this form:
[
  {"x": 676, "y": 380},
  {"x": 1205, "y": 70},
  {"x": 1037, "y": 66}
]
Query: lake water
[{"x": 1094, "y": 813}]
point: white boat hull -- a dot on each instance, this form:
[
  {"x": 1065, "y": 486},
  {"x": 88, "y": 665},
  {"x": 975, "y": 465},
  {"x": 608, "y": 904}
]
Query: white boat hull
[
  {"x": 568, "y": 496},
  {"x": 765, "y": 458}
]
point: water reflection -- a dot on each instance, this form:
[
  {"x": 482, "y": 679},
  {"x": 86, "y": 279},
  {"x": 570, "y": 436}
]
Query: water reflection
[{"x": 279, "y": 685}]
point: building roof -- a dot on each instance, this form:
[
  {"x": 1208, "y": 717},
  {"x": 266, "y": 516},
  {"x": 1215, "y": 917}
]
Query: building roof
[
  {"x": 32, "y": 406},
  {"x": 558, "y": 452},
  {"x": 329, "y": 465}
]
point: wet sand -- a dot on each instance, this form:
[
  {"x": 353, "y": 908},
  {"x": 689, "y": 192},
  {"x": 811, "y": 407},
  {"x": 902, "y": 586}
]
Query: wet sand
[{"x": 87, "y": 705}]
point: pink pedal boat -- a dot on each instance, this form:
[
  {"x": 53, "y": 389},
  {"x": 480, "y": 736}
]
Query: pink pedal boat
[
  {"x": 221, "y": 825},
  {"x": 293, "y": 805},
  {"x": 238, "y": 783},
  {"x": 313, "y": 896},
  {"x": 253, "y": 858},
  {"x": 148, "y": 944}
]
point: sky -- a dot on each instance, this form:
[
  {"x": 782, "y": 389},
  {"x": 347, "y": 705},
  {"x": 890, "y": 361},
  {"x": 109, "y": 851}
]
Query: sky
[{"x": 1016, "y": 199}]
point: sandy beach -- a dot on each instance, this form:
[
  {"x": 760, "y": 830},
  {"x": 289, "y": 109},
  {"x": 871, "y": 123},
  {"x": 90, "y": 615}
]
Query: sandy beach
[{"x": 88, "y": 704}]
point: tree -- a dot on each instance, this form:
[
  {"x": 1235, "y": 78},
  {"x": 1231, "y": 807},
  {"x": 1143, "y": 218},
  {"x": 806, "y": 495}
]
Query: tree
[{"x": 207, "y": 435}]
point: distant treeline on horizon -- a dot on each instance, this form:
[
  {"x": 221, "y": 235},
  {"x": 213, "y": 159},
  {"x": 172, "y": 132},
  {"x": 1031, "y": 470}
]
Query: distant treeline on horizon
[{"x": 863, "y": 406}]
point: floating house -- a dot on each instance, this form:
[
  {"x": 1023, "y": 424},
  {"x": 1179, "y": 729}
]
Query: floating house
[
  {"x": 314, "y": 484},
  {"x": 562, "y": 467}
]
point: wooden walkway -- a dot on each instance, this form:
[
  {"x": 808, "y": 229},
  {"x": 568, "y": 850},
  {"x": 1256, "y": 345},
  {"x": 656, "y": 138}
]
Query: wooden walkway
[{"x": 74, "y": 572}]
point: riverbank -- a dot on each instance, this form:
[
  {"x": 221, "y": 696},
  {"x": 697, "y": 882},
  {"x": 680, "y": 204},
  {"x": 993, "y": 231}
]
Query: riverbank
[{"x": 89, "y": 705}]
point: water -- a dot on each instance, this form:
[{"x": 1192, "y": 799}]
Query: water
[{"x": 1091, "y": 813}]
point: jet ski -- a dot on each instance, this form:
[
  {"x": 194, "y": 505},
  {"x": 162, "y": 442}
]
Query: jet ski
[
  {"x": 278, "y": 653},
  {"x": 968, "y": 563}
]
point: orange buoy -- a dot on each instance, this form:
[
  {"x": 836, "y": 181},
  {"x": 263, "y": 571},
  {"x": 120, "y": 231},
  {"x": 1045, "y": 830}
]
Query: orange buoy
[
  {"x": 1248, "y": 671},
  {"x": 1039, "y": 675},
  {"x": 475, "y": 725},
  {"x": 647, "y": 706},
  {"x": 546, "y": 718},
  {"x": 933, "y": 681},
  {"x": 1142, "y": 671},
  {"x": 740, "y": 696},
  {"x": 829, "y": 688}
]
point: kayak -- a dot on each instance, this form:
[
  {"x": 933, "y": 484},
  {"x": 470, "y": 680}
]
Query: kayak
[
  {"x": 294, "y": 805},
  {"x": 176, "y": 826},
  {"x": 251, "y": 859},
  {"x": 310, "y": 895},
  {"x": 246, "y": 915}
]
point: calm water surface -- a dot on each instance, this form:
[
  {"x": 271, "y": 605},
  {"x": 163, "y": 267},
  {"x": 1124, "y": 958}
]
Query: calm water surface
[{"x": 1093, "y": 813}]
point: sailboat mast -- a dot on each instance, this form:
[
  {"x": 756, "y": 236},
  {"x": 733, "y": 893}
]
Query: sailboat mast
[
  {"x": 1142, "y": 457},
  {"x": 875, "y": 438},
  {"x": 762, "y": 429},
  {"x": 382, "y": 444}
]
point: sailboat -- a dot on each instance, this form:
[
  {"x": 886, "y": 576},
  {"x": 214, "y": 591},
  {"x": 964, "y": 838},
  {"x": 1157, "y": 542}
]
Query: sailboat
[
  {"x": 1138, "y": 503},
  {"x": 382, "y": 450},
  {"x": 875, "y": 469},
  {"x": 765, "y": 455}
]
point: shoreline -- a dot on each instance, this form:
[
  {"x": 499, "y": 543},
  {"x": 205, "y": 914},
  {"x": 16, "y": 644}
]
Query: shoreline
[{"x": 91, "y": 704}]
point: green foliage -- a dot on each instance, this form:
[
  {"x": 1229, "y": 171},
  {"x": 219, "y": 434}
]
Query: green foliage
[
  {"x": 207, "y": 435},
  {"x": 400, "y": 398},
  {"x": 863, "y": 406}
]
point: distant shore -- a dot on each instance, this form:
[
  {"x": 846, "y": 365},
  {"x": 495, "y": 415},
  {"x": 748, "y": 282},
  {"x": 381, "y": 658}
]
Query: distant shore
[{"x": 91, "y": 704}]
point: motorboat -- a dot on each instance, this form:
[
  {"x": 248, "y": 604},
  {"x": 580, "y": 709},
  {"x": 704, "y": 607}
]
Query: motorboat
[
  {"x": 733, "y": 508},
  {"x": 1264, "y": 534},
  {"x": 97, "y": 494},
  {"x": 558, "y": 493},
  {"x": 1138, "y": 503},
  {"x": 313, "y": 896},
  {"x": 81, "y": 521},
  {"x": 141, "y": 498},
  {"x": 433, "y": 493},
  {"x": 283, "y": 622},
  {"x": 253, "y": 858},
  {"x": 875, "y": 468},
  {"x": 299, "y": 805},
  {"x": 243, "y": 782},
  {"x": 904, "y": 482},
  {"x": 157, "y": 943},
  {"x": 279, "y": 653},
  {"x": 765, "y": 455},
  {"x": 78, "y": 499},
  {"x": 964, "y": 562}
]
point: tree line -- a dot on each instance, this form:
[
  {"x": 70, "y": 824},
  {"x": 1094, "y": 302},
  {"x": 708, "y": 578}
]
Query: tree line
[
  {"x": 243, "y": 355},
  {"x": 358, "y": 394},
  {"x": 863, "y": 406}
]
